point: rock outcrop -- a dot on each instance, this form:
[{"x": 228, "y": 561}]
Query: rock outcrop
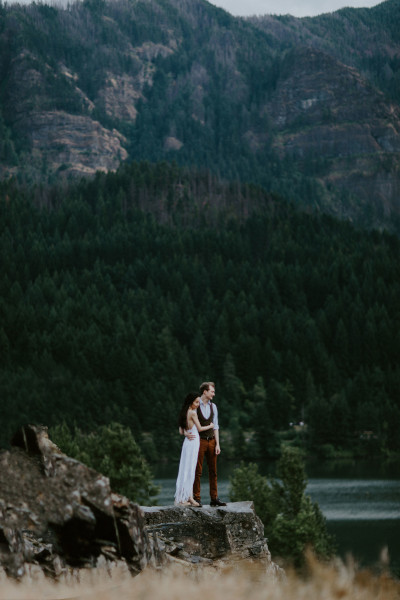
[
  {"x": 60, "y": 515},
  {"x": 74, "y": 144},
  {"x": 210, "y": 535}
]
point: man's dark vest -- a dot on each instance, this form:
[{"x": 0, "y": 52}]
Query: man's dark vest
[{"x": 208, "y": 434}]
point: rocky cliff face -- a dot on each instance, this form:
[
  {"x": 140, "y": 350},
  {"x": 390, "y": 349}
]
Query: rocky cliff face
[
  {"x": 74, "y": 144},
  {"x": 87, "y": 87},
  {"x": 205, "y": 535},
  {"x": 59, "y": 516},
  {"x": 325, "y": 113},
  {"x": 46, "y": 106}
]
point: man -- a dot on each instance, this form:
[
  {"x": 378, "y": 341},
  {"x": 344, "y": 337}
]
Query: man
[{"x": 209, "y": 444}]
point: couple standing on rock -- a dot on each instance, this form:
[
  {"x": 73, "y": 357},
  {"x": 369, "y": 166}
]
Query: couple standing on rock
[{"x": 198, "y": 422}]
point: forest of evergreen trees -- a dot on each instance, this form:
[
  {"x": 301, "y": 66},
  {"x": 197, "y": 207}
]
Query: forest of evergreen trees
[{"x": 121, "y": 294}]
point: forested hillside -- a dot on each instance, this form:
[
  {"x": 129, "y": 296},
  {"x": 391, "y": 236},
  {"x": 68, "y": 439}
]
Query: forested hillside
[
  {"x": 365, "y": 38},
  {"x": 122, "y": 293},
  {"x": 307, "y": 108}
]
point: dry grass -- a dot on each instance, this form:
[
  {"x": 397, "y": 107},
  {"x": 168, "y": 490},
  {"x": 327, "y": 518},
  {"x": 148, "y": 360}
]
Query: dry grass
[{"x": 325, "y": 582}]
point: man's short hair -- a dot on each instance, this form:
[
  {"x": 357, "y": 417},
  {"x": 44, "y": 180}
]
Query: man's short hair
[{"x": 206, "y": 386}]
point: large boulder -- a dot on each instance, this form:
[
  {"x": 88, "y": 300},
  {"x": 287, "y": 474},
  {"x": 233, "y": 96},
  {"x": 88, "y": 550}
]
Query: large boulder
[
  {"x": 208, "y": 535},
  {"x": 57, "y": 513}
]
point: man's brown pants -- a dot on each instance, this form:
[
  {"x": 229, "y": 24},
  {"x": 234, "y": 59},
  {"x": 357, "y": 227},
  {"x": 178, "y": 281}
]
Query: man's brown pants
[{"x": 207, "y": 449}]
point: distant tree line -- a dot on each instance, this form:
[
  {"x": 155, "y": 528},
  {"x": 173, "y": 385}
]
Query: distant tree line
[{"x": 121, "y": 294}]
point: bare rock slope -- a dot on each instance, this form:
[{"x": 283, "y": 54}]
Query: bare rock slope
[{"x": 58, "y": 514}]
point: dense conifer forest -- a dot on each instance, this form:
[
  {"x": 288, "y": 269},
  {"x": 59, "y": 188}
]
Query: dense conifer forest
[{"x": 122, "y": 293}]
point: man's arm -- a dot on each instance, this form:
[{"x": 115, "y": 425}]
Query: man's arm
[
  {"x": 216, "y": 430},
  {"x": 190, "y": 436},
  {"x": 217, "y": 446}
]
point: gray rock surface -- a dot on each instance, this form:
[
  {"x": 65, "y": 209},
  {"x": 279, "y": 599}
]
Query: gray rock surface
[
  {"x": 59, "y": 514},
  {"x": 208, "y": 534}
]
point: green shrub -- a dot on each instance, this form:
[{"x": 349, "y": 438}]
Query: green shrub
[
  {"x": 292, "y": 521},
  {"x": 112, "y": 451}
]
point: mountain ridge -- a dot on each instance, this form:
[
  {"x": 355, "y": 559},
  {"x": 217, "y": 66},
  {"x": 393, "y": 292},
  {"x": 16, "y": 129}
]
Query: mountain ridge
[{"x": 282, "y": 102}]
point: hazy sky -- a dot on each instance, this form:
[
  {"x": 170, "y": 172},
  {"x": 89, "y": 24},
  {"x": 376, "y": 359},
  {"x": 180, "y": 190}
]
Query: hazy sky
[{"x": 297, "y": 8}]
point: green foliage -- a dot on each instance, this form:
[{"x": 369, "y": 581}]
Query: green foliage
[
  {"x": 8, "y": 155},
  {"x": 247, "y": 483},
  {"x": 290, "y": 470},
  {"x": 291, "y": 537},
  {"x": 112, "y": 451},
  {"x": 128, "y": 290},
  {"x": 292, "y": 522}
]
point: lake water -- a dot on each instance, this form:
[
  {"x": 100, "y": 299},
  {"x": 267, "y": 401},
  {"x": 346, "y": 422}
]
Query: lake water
[{"x": 360, "y": 501}]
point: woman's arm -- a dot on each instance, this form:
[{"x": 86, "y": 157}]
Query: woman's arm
[{"x": 196, "y": 421}]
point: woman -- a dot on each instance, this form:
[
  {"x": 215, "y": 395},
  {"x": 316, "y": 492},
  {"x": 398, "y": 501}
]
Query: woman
[{"x": 189, "y": 421}]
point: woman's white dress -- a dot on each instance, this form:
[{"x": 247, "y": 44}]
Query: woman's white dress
[{"x": 187, "y": 467}]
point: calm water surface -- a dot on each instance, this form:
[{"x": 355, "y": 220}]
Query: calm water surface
[{"x": 360, "y": 501}]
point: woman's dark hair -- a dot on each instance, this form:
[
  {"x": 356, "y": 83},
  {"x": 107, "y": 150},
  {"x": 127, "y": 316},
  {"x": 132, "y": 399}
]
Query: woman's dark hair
[{"x": 188, "y": 401}]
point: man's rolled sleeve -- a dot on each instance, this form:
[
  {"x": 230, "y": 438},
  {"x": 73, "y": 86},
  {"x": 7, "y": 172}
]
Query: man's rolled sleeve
[{"x": 215, "y": 418}]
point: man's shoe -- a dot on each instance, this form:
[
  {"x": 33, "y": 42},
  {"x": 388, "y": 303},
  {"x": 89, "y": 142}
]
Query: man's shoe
[{"x": 217, "y": 502}]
